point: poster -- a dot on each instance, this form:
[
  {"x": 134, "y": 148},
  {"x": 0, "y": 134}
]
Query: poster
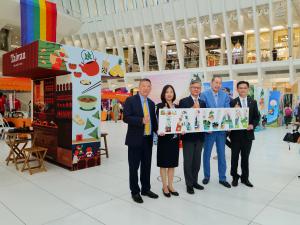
[
  {"x": 202, "y": 120},
  {"x": 228, "y": 86},
  {"x": 273, "y": 108}
]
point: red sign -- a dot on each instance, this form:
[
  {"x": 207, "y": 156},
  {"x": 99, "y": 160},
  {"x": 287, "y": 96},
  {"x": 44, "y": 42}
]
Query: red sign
[{"x": 21, "y": 60}]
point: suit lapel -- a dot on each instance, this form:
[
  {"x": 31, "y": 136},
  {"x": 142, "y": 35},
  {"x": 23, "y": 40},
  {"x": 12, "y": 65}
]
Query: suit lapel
[
  {"x": 212, "y": 98},
  {"x": 139, "y": 106},
  {"x": 191, "y": 101}
]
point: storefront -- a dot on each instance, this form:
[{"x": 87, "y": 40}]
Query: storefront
[{"x": 66, "y": 100}]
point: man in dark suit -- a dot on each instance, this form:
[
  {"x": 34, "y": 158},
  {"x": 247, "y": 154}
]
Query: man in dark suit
[
  {"x": 193, "y": 142},
  {"x": 242, "y": 139},
  {"x": 139, "y": 114}
]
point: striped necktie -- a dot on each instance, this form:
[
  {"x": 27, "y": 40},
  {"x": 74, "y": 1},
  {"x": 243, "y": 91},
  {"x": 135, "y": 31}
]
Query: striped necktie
[{"x": 146, "y": 114}]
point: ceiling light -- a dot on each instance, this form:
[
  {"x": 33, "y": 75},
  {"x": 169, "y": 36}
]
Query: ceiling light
[
  {"x": 249, "y": 31},
  {"x": 184, "y": 40},
  {"x": 278, "y": 27},
  {"x": 236, "y": 33},
  {"x": 296, "y": 25},
  {"x": 172, "y": 41},
  {"x": 193, "y": 39},
  {"x": 164, "y": 42},
  {"x": 206, "y": 37},
  {"x": 264, "y": 29},
  {"x": 214, "y": 36},
  {"x": 146, "y": 43},
  {"x": 108, "y": 47},
  {"x": 223, "y": 35}
]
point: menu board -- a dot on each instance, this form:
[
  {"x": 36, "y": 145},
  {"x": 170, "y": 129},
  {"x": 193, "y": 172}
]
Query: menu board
[{"x": 192, "y": 120}]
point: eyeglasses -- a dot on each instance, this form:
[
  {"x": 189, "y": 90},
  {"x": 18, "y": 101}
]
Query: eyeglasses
[{"x": 198, "y": 88}]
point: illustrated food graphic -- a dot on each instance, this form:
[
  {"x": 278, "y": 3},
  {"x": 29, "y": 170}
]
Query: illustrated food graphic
[
  {"x": 77, "y": 119},
  {"x": 88, "y": 124},
  {"x": 117, "y": 70},
  {"x": 94, "y": 133}
]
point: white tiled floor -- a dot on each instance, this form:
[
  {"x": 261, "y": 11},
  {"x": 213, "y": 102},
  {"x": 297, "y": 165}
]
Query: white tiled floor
[{"x": 100, "y": 195}]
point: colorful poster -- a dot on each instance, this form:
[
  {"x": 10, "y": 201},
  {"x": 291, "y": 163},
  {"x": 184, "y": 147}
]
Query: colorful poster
[
  {"x": 202, "y": 120},
  {"x": 180, "y": 82},
  {"x": 227, "y": 86},
  {"x": 273, "y": 108},
  {"x": 86, "y": 68}
]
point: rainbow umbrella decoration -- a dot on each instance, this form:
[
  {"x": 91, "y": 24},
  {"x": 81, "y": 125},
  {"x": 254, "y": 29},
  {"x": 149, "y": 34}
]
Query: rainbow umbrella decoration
[{"x": 38, "y": 21}]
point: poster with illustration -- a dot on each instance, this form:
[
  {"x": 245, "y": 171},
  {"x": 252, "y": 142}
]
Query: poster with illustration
[
  {"x": 273, "y": 108},
  {"x": 202, "y": 120},
  {"x": 86, "y": 68},
  {"x": 227, "y": 86}
]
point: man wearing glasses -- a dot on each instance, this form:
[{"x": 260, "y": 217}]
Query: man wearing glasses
[{"x": 192, "y": 142}]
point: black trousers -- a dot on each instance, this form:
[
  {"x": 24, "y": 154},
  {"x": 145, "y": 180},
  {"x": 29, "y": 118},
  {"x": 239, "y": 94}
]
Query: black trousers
[
  {"x": 192, "y": 151},
  {"x": 140, "y": 157},
  {"x": 243, "y": 147}
]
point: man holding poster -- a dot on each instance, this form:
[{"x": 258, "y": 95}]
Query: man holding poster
[
  {"x": 215, "y": 98},
  {"x": 242, "y": 139},
  {"x": 192, "y": 142}
]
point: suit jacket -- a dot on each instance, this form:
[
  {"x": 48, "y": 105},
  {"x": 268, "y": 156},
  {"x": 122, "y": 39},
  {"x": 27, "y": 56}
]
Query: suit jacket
[
  {"x": 188, "y": 102},
  {"x": 133, "y": 116},
  {"x": 208, "y": 98},
  {"x": 236, "y": 135}
]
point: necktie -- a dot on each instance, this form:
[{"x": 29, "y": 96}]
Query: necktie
[
  {"x": 146, "y": 114},
  {"x": 244, "y": 103}
]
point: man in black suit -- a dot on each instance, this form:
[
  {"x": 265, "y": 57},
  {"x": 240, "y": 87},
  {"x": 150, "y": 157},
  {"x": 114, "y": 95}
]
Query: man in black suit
[
  {"x": 241, "y": 140},
  {"x": 139, "y": 114},
  {"x": 192, "y": 142}
]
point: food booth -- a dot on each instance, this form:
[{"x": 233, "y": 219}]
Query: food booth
[{"x": 66, "y": 103}]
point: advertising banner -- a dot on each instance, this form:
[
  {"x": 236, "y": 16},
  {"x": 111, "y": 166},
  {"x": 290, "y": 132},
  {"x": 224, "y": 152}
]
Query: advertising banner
[
  {"x": 273, "y": 108},
  {"x": 202, "y": 120}
]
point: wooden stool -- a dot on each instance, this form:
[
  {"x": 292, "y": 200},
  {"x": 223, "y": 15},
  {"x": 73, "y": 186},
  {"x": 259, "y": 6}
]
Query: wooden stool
[
  {"x": 38, "y": 154},
  {"x": 105, "y": 149}
]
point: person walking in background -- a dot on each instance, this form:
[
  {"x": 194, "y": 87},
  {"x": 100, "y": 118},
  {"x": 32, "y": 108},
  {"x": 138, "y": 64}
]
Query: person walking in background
[
  {"x": 192, "y": 142},
  {"x": 297, "y": 112},
  {"x": 167, "y": 145},
  {"x": 288, "y": 115},
  {"x": 116, "y": 110},
  {"x": 139, "y": 114},
  {"x": 215, "y": 98},
  {"x": 242, "y": 139}
]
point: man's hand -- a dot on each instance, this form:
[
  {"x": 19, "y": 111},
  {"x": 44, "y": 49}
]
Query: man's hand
[
  {"x": 146, "y": 120},
  {"x": 162, "y": 134},
  {"x": 250, "y": 127}
]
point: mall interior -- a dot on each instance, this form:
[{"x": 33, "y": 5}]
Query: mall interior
[{"x": 70, "y": 71}]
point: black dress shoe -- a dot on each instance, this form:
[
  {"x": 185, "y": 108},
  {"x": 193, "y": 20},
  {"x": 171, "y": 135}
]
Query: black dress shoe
[
  {"x": 150, "y": 194},
  {"x": 198, "y": 186},
  {"x": 247, "y": 183},
  {"x": 235, "y": 182},
  {"x": 175, "y": 193},
  {"x": 137, "y": 198},
  {"x": 225, "y": 184},
  {"x": 168, "y": 195},
  {"x": 205, "y": 181},
  {"x": 190, "y": 190}
]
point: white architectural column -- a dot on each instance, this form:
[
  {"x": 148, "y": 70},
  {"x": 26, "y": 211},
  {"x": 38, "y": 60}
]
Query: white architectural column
[
  {"x": 202, "y": 48},
  {"x": 164, "y": 55},
  {"x": 256, "y": 32},
  {"x": 245, "y": 48},
  {"x": 240, "y": 18},
  {"x": 290, "y": 40},
  {"x": 228, "y": 40},
  {"x": 211, "y": 17},
  {"x": 222, "y": 50},
  {"x": 161, "y": 65},
  {"x": 146, "y": 58},
  {"x": 138, "y": 48}
]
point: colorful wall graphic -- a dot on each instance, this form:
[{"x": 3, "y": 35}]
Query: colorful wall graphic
[
  {"x": 38, "y": 21},
  {"x": 202, "y": 120},
  {"x": 229, "y": 85},
  {"x": 273, "y": 108}
]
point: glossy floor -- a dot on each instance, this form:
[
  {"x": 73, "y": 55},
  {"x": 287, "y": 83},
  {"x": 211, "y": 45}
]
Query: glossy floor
[{"x": 100, "y": 195}]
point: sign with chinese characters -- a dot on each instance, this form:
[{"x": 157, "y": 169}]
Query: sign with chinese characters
[{"x": 192, "y": 120}]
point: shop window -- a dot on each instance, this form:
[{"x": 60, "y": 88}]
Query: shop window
[
  {"x": 237, "y": 49},
  {"x": 213, "y": 52},
  {"x": 251, "y": 50},
  {"x": 281, "y": 45},
  {"x": 153, "y": 63},
  {"x": 135, "y": 62},
  {"x": 191, "y": 54},
  {"x": 296, "y": 48},
  {"x": 172, "y": 62},
  {"x": 265, "y": 40}
]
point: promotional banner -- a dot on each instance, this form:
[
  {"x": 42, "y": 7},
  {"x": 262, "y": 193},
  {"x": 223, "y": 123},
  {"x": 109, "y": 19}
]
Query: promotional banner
[
  {"x": 202, "y": 120},
  {"x": 227, "y": 86},
  {"x": 38, "y": 21},
  {"x": 273, "y": 108}
]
